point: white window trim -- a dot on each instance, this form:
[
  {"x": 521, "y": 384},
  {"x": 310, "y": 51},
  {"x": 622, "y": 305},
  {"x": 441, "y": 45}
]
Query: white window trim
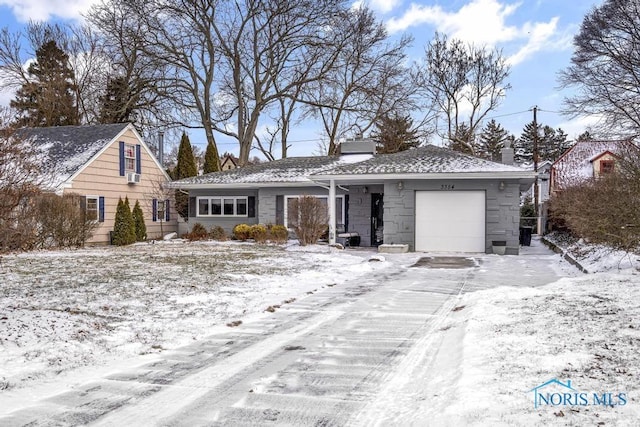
[
  {"x": 222, "y": 199},
  {"x": 86, "y": 206},
  {"x": 161, "y": 218},
  {"x": 126, "y": 158},
  {"x": 286, "y": 204}
]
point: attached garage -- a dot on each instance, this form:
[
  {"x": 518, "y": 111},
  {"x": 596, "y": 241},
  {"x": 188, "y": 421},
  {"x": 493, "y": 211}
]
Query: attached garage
[{"x": 450, "y": 221}]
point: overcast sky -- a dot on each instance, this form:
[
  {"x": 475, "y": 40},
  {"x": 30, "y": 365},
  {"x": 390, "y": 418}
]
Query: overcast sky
[{"x": 535, "y": 35}]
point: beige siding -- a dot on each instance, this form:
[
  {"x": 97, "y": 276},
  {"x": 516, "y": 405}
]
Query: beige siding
[{"x": 102, "y": 178}]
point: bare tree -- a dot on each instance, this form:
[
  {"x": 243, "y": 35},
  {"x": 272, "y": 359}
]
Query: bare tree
[
  {"x": 465, "y": 83},
  {"x": 270, "y": 49},
  {"x": 20, "y": 180},
  {"x": 129, "y": 76},
  {"x": 226, "y": 63},
  {"x": 365, "y": 83},
  {"x": 309, "y": 219},
  {"x": 605, "y": 67},
  {"x": 167, "y": 50}
]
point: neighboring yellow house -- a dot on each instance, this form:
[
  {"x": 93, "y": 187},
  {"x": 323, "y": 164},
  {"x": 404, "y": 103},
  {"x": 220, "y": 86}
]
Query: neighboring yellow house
[{"x": 104, "y": 163}]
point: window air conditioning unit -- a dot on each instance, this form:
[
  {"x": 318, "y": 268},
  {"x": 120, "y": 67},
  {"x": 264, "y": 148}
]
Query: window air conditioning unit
[{"x": 133, "y": 178}]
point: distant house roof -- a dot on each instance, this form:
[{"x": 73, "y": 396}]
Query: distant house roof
[
  {"x": 230, "y": 158},
  {"x": 417, "y": 162},
  {"x": 66, "y": 149},
  {"x": 575, "y": 165}
]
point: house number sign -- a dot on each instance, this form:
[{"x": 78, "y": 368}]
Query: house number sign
[{"x": 447, "y": 187}]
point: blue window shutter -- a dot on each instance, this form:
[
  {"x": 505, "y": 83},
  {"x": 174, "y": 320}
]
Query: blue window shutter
[
  {"x": 166, "y": 207},
  {"x": 251, "y": 207},
  {"x": 101, "y": 209},
  {"x": 192, "y": 207},
  {"x": 121, "y": 158},
  {"x": 155, "y": 209},
  {"x": 138, "y": 160}
]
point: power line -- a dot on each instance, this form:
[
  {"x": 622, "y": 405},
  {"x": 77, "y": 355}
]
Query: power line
[
  {"x": 509, "y": 114},
  {"x": 549, "y": 111}
]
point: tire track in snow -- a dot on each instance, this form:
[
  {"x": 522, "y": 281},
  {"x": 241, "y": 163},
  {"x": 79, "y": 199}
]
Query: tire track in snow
[{"x": 418, "y": 361}]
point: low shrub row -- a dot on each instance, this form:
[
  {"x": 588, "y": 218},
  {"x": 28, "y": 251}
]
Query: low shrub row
[
  {"x": 243, "y": 232},
  {"x": 261, "y": 233}
]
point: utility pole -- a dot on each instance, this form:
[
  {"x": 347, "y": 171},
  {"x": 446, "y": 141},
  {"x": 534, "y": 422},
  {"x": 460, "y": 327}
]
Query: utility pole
[{"x": 535, "y": 167}]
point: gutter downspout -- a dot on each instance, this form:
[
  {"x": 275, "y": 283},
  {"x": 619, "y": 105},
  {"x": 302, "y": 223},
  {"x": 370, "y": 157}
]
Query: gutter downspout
[{"x": 332, "y": 212}]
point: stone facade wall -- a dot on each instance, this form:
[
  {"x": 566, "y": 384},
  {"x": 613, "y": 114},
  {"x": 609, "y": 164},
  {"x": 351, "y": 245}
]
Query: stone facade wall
[{"x": 502, "y": 209}]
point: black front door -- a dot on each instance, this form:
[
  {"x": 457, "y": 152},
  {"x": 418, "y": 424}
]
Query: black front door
[{"x": 377, "y": 224}]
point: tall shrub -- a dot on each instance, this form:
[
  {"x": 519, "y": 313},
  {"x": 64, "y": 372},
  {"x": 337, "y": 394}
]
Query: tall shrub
[
  {"x": 308, "y": 217},
  {"x": 124, "y": 229},
  {"x": 62, "y": 221},
  {"x": 603, "y": 211},
  {"x": 138, "y": 221},
  {"x": 185, "y": 168}
]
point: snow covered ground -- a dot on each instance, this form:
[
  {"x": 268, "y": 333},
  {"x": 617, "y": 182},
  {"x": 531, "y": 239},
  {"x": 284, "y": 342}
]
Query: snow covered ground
[
  {"x": 509, "y": 340},
  {"x": 594, "y": 258},
  {"x": 474, "y": 361},
  {"x": 61, "y": 310}
]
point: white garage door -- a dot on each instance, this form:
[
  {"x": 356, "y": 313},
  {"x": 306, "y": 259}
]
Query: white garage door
[{"x": 450, "y": 221}]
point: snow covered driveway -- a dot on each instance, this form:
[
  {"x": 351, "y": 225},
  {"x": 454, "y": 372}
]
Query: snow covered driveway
[{"x": 352, "y": 349}]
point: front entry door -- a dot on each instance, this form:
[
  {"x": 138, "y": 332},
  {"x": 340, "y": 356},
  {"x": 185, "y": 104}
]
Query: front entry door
[{"x": 377, "y": 224}]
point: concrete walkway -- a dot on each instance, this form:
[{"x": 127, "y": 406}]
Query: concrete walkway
[{"x": 323, "y": 360}]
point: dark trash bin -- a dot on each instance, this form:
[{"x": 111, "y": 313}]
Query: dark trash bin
[{"x": 525, "y": 236}]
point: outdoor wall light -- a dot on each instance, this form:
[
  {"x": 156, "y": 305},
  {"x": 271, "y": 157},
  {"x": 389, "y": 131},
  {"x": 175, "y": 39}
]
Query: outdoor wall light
[
  {"x": 502, "y": 186},
  {"x": 400, "y": 185},
  {"x": 364, "y": 190}
]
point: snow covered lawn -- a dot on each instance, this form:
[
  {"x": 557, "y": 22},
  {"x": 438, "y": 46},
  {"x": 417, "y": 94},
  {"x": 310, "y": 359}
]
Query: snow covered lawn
[
  {"x": 61, "y": 310},
  {"x": 584, "y": 329}
]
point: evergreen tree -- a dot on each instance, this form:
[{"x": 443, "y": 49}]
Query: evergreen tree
[
  {"x": 186, "y": 165},
  {"x": 554, "y": 143},
  {"x": 551, "y": 143},
  {"x": 138, "y": 220},
  {"x": 492, "y": 139},
  {"x": 211, "y": 160},
  {"x": 129, "y": 218},
  {"x": 584, "y": 136},
  {"x": 463, "y": 140},
  {"x": 185, "y": 168},
  {"x": 117, "y": 105},
  {"x": 48, "y": 99},
  {"x": 394, "y": 134},
  {"x": 523, "y": 146},
  {"x": 124, "y": 228}
]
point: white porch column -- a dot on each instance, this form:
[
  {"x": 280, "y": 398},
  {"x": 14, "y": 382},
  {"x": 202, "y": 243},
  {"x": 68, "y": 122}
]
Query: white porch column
[{"x": 332, "y": 212}]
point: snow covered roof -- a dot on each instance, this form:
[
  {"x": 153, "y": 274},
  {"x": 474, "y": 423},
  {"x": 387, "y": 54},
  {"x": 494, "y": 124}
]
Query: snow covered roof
[
  {"x": 422, "y": 160},
  {"x": 575, "y": 164},
  {"x": 306, "y": 170},
  {"x": 66, "y": 149},
  {"x": 283, "y": 171}
]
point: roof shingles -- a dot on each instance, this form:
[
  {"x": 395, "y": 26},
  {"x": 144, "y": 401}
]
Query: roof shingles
[
  {"x": 423, "y": 160},
  {"x": 292, "y": 169},
  {"x": 67, "y": 148}
]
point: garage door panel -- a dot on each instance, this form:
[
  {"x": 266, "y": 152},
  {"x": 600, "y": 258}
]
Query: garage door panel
[{"x": 450, "y": 221}]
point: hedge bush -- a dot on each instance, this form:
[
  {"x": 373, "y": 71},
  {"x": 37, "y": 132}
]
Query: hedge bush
[
  {"x": 258, "y": 233},
  {"x": 242, "y": 232},
  {"x": 198, "y": 232},
  {"x": 278, "y": 233},
  {"x": 218, "y": 233}
]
